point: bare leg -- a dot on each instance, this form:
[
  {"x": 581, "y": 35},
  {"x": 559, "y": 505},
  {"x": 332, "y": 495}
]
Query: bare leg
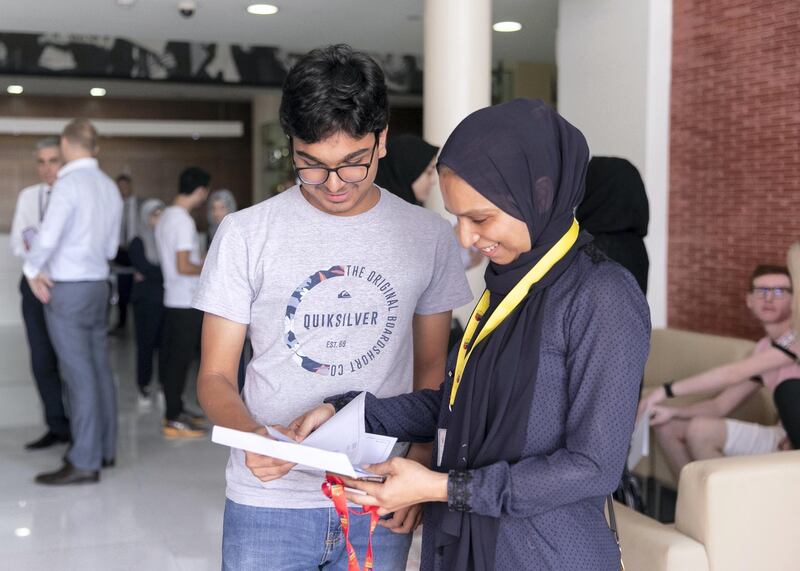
[
  {"x": 706, "y": 437},
  {"x": 671, "y": 436}
]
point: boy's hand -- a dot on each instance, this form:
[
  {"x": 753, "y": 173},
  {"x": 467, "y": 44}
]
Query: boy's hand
[
  {"x": 307, "y": 423},
  {"x": 266, "y": 468}
]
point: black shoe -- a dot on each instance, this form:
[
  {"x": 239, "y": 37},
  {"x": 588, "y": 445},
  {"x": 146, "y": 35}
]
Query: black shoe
[
  {"x": 68, "y": 474},
  {"x": 109, "y": 462},
  {"x": 49, "y": 439}
]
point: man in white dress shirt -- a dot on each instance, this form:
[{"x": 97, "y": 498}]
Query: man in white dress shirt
[
  {"x": 67, "y": 269},
  {"x": 28, "y": 214}
]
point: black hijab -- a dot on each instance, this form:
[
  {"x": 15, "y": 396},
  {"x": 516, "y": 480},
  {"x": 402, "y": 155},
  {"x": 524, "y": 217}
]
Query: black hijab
[
  {"x": 615, "y": 198},
  {"x": 407, "y": 157},
  {"x": 531, "y": 163},
  {"x": 616, "y": 212}
]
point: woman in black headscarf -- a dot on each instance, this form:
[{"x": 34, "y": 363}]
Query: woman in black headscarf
[
  {"x": 532, "y": 424},
  {"x": 408, "y": 169},
  {"x": 615, "y": 212}
]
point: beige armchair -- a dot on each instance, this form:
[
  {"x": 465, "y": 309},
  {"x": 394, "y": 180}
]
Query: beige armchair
[
  {"x": 676, "y": 354},
  {"x": 733, "y": 514}
]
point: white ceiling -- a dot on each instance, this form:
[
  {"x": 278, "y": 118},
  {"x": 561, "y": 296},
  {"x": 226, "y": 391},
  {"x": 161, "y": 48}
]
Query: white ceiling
[{"x": 385, "y": 26}]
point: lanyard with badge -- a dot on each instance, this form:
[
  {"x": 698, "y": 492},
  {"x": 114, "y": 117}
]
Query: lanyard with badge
[{"x": 506, "y": 307}]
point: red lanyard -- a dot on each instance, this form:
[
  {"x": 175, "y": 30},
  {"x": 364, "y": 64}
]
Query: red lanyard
[{"x": 333, "y": 487}]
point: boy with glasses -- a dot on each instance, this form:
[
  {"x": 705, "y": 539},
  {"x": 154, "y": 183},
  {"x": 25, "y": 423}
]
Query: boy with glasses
[
  {"x": 344, "y": 287},
  {"x": 700, "y": 431}
]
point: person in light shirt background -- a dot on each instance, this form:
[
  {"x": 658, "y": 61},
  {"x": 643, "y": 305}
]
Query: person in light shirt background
[
  {"x": 67, "y": 269},
  {"x": 31, "y": 205},
  {"x": 178, "y": 245}
]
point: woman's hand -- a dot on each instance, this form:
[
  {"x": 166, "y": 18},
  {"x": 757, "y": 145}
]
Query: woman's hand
[
  {"x": 266, "y": 468},
  {"x": 404, "y": 520},
  {"x": 407, "y": 483},
  {"x": 653, "y": 398},
  {"x": 660, "y": 414},
  {"x": 307, "y": 423}
]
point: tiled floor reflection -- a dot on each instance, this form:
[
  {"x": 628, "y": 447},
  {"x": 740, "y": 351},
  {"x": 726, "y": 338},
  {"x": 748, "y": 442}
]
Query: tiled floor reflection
[{"x": 159, "y": 509}]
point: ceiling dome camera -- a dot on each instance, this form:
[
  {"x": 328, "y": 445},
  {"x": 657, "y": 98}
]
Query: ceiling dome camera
[{"x": 187, "y": 8}]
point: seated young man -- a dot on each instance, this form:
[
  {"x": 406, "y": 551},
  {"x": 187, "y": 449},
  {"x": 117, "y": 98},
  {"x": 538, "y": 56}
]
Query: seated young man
[{"x": 699, "y": 431}]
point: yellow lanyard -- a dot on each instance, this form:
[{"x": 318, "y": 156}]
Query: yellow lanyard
[{"x": 509, "y": 303}]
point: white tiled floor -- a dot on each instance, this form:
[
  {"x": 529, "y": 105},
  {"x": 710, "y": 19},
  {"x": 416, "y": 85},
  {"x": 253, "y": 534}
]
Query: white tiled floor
[{"x": 159, "y": 509}]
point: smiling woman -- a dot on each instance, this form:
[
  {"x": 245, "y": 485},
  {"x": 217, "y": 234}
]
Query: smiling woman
[
  {"x": 498, "y": 235},
  {"x": 532, "y": 423}
]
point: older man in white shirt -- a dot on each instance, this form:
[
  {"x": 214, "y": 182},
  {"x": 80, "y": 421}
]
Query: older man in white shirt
[
  {"x": 67, "y": 269},
  {"x": 31, "y": 205}
]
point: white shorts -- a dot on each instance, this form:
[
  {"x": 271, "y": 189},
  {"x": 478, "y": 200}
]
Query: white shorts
[{"x": 745, "y": 438}]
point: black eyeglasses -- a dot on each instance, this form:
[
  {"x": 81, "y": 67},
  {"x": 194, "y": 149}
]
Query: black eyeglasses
[
  {"x": 777, "y": 292},
  {"x": 346, "y": 173}
]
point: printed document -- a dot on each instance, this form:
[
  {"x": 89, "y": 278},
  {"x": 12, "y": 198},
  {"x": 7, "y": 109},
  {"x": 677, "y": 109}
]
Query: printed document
[{"x": 340, "y": 445}]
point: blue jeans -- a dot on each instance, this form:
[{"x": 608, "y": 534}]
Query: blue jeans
[{"x": 302, "y": 540}]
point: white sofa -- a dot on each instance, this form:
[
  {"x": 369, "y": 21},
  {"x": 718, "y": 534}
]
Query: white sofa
[{"x": 733, "y": 514}]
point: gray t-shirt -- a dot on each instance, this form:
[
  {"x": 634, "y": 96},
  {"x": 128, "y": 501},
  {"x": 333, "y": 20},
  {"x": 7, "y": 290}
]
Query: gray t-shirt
[{"x": 329, "y": 301}]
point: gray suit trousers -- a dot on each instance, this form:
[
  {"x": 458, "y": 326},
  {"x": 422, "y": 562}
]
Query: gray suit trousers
[{"x": 77, "y": 322}]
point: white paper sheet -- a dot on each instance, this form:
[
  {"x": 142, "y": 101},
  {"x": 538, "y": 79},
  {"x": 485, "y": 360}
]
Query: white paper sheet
[
  {"x": 340, "y": 445},
  {"x": 640, "y": 441}
]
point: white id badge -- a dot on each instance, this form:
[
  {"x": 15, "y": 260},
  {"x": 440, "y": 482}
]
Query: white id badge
[{"x": 441, "y": 436}]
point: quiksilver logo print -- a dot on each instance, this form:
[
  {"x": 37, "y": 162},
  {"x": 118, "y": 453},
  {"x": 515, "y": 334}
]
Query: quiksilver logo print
[{"x": 340, "y": 320}]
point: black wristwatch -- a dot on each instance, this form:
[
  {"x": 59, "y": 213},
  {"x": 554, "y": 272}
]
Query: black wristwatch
[{"x": 668, "y": 389}]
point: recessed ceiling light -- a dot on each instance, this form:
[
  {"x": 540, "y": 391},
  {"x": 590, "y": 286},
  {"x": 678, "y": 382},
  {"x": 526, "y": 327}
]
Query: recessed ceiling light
[
  {"x": 262, "y": 9},
  {"x": 97, "y": 92},
  {"x": 22, "y": 532},
  {"x": 507, "y": 27},
  {"x": 14, "y": 89}
]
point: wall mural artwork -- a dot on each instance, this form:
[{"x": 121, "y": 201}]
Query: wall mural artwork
[{"x": 76, "y": 55}]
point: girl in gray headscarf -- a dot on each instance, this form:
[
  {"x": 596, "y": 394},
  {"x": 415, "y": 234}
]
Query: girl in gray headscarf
[
  {"x": 147, "y": 296},
  {"x": 220, "y": 203}
]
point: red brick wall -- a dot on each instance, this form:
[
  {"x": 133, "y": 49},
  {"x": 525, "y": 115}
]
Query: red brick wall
[{"x": 734, "y": 155}]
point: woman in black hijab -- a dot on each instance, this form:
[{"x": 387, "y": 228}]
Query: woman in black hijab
[
  {"x": 615, "y": 212},
  {"x": 532, "y": 424},
  {"x": 407, "y": 170}
]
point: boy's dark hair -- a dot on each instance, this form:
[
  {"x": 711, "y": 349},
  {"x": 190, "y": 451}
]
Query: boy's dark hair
[
  {"x": 192, "y": 178},
  {"x": 767, "y": 269},
  {"x": 123, "y": 176},
  {"x": 334, "y": 89}
]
